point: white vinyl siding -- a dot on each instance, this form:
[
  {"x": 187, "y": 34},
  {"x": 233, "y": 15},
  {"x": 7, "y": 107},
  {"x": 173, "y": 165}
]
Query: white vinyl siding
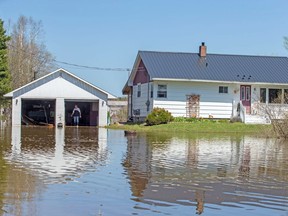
[
  {"x": 69, "y": 90},
  {"x": 211, "y": 101},
  {"x": 178, "y": 109},
  {"x": 139, "y": 103}
]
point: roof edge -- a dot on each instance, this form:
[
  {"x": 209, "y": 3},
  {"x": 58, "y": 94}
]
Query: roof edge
[
  {"x": 109, "y": 96},
  {"x": 219, "y": 54},
  {"x": 215, "y": 81}
]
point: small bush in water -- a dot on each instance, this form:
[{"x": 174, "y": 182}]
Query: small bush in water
[{"x": 159, "y": 116}]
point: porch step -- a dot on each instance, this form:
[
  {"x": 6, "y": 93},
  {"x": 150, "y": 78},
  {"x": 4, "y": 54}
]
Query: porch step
[{"x": 256, "y": 119}]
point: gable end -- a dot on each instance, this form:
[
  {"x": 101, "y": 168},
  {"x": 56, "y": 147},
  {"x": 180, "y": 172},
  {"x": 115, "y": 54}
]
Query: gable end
[
  {"x": 35, "y": 84},
  {"x": 141, "y": 75},
  {"x": 61, "y": 74}
]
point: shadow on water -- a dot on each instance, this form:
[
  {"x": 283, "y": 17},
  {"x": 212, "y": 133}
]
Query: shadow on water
[{"x": 209, "y": 172}]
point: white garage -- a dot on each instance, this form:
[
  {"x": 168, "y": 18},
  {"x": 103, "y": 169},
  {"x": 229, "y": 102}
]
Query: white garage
[{"x": 51, "y": 99}]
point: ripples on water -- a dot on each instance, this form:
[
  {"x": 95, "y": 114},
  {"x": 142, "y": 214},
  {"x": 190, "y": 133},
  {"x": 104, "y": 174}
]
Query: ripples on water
[{"x": 90, "y": 171}]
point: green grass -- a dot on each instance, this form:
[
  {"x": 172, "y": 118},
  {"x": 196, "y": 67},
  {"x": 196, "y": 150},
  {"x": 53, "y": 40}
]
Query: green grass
[{"x": 200, "y": 127}]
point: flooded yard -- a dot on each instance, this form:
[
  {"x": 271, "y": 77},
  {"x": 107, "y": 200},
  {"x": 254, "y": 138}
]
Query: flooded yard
[{"x": 90, "y": 171}]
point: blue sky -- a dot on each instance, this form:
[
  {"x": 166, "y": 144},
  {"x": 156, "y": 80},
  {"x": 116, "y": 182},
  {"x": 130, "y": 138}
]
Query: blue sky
[{"x": 109, "y": 33}]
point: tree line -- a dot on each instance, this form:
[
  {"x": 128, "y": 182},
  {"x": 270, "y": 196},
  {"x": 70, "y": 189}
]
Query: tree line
[{"x": 23, "y": 54}]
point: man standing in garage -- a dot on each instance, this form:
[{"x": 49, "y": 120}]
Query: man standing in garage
[{"x": 76, "y": 114}]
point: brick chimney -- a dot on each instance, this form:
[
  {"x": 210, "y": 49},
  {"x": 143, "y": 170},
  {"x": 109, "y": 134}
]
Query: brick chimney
[{"x": 202, "y": 50}]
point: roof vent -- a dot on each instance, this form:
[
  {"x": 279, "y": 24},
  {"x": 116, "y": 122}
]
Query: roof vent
[{"x": 202, "y": 50}]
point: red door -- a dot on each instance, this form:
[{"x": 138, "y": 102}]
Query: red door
[{"x": 245, "y": 97}]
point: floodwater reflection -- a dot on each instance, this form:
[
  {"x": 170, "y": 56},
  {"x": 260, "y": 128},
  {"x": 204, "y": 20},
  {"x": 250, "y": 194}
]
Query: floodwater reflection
[
  {"x": 245, "y": 172},
  {"x": 58, "y": 154},
  {"x": 95, "y": 171}
]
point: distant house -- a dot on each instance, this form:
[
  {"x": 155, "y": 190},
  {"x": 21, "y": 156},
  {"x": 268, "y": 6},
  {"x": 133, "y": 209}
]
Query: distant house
[
  {"x": 117, "y": 110},
  {"x": 51, "y": 99},
  {"x": 204, "y": 85}
]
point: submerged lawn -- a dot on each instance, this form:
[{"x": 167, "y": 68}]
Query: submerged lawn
[{"x": 200, "y": 127}]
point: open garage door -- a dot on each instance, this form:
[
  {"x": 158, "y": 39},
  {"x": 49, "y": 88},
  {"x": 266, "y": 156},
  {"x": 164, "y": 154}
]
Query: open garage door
[
  {"x": 89, "y": 112},
  {"x": 38, "y": 112}
]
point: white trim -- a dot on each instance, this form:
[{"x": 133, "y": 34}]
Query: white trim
[{"x": 134, "y": 70}]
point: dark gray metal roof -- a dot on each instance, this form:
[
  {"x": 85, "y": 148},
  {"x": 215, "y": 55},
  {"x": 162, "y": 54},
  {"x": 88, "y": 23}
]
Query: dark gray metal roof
[{"x": 216, "y": 67}]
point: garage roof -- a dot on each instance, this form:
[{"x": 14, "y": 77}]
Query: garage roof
[{"x": 56, "y": 74}]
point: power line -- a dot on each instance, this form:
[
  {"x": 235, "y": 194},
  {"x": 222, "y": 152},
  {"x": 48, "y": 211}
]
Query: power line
[
  {"x": 93, "y": 67},
  {"x": 28, "y": 53}
]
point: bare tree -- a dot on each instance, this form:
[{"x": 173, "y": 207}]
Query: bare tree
[
  {"x": 28, "y": 57},
  {"x": 277, "y": 112}
]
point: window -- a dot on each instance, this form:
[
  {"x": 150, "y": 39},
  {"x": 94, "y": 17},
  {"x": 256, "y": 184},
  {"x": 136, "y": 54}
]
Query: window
[
  {"x": 275, "y": 95},
  {"x": 262, "y": 95},
  {"x": 136, "y": 112},
  {"x": 151, "y": 91},
  {"x": 139, "y": 90},
  {"x": 242, "y": 93},
  {"x": 223, "y": 89},
  {"x": 162, "y": 91},
  {"x": 248, "y": 92},
  {"x": 286, "y": 96}
]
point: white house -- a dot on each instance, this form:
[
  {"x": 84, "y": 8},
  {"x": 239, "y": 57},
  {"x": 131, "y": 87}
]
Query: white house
[
  {"x": 204, "y": 85},
  {"x": 51, "y": 99}
]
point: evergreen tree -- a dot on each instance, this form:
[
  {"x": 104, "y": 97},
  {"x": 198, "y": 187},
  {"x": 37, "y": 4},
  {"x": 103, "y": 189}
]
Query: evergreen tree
[{"x": 5, "y": 78}]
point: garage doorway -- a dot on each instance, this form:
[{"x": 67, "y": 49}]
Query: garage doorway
[
  {"x": 89, "y": 113},
  {"x": 38, "y": 112}
]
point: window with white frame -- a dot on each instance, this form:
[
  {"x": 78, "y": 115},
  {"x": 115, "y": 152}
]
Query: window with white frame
[
  {"x": 275, "y": 95},
  {"x": 223, "y": 89},
  {"x": 162, "y": 91},
  {"x": 139, "y": 90}
]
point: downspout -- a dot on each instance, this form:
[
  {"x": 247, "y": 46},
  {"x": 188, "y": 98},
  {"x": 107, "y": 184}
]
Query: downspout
[
  {"x": 148, "y": 98},
  {"x": 131, "y": 102}
]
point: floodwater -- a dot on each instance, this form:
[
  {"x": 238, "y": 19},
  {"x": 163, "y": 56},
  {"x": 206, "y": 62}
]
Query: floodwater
[{"x": 89, "y": 171}]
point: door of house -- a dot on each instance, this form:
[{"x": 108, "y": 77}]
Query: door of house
[
  {"x": 192, "y": 106},
  {"x": 245, "y": 97}
]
